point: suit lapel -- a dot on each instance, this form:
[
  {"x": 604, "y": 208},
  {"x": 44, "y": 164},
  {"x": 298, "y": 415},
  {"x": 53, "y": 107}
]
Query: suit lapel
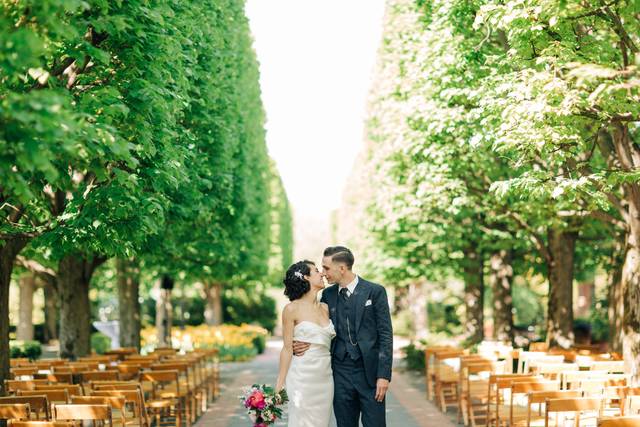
[
  {"x": 332, "y": 299},
  {"x": 360, "y": 298}
]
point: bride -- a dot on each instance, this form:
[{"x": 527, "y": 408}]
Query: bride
[{"x": 308, "y": 378}]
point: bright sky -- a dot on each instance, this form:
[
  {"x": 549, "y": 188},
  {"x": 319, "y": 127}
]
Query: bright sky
[{"x": 316, "y": 61}]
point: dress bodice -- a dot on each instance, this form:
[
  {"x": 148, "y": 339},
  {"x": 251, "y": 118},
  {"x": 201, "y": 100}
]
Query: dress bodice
[{"x": 313, "y": 333}]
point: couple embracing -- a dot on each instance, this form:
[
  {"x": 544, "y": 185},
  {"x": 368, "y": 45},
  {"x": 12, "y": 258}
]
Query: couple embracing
[{"x": 337, "y": 351}]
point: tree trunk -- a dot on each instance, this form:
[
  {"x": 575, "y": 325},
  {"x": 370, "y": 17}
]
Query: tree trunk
[
  {"x": 616, "y": 301},
  {"x": 128, "y": 302},
  {"x": 8, "y": 252},
  {"x": 473, "y": 295},
  {"x": 213, "y": 310},
  {"x": 74, "y": 277},
  {"x": 50, "y": 312},
  {"x": 501, "y": 278},
  {"x": 418, "y": 307},
  {"x": 164, "y": 318},
  {"x": 24, "y": 330},
  {"x": 562, "y": 245}
]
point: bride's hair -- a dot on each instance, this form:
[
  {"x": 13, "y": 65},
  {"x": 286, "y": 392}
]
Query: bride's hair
[{"x": 295, "y": 285}]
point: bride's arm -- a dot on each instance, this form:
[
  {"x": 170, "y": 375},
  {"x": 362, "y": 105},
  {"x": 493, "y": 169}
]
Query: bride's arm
[{"x": 287, "y": 348}]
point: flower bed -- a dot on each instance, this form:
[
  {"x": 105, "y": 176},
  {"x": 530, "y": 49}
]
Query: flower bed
[{"x": 235, "y": 343}]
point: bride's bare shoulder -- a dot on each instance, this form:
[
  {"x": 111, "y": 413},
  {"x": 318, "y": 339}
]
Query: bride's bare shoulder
[{"x": 290, "y": 309}]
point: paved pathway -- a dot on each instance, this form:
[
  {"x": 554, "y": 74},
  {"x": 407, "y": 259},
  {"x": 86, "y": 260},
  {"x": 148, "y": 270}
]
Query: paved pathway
[{"x": 406, "y": 402}]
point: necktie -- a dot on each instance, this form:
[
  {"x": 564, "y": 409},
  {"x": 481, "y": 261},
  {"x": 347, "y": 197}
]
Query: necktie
[{"x": 344, "y": 293}]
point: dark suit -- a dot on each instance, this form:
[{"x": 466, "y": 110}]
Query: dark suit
[{"x": 357, "y": 368}]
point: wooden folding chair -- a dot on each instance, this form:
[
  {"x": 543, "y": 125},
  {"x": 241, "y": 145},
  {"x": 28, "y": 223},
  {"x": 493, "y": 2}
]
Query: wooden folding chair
[
  {"x": 518, "y": 414},
  {"x": 18, "y": 361},
  {"x": 72, "y": 389},
  {"x": 53, "y": 396},
  {"x": 474, "y": 388},
  {"x": 446, "y": 379},
  {"x": 39, "y": 405},
  {"x": 133, "y": 398},
  {"x": 539, "y": 398},
  {"x": 620, "y": 422},
  {"x": 187, "y": 393},
  {"x": 13, "y": 386},
  {"x": 461, "y": 388},
  {"x": 115, "y": 402},
  {"x": 429, "y": 352},
  {"x": 129, "y": 372},
  {"x": 83, "y": 413},
  {"x": 495, "y": 393},
  {"x": 15, "y": 411},
  {"x": 575, "y": 406},
  {"x": 166, "y": 396},
  {"x": 24, "y": 371}
]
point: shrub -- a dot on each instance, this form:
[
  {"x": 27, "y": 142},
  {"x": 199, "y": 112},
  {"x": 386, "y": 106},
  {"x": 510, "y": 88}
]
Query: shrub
[
  {"x": 29, "y": 349},
  {"x": 414, "y": 356},
  {"x": 100, "y": 343}
]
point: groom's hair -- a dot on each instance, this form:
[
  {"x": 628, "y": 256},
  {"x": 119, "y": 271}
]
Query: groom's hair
[{"x": 340, "y": 254}]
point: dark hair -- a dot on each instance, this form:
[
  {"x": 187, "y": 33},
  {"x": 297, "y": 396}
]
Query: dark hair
[
  {"x": 295, "y": 285},
  {"x": 340, "y": 254}
]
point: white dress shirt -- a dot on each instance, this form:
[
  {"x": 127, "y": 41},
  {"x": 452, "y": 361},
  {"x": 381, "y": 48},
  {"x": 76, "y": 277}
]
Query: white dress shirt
[{"x": 351, "y": 287}]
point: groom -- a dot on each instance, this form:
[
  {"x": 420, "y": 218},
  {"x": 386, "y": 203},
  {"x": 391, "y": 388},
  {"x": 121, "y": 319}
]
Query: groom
[{"x": 362, "y": 351}]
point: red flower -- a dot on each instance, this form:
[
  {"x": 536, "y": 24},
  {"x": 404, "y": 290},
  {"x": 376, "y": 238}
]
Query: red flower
[{"x": 256, "y": 400}]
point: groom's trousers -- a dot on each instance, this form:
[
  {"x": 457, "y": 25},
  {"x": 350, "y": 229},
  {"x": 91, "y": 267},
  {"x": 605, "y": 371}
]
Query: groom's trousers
[{"x": 354, "y": 396}]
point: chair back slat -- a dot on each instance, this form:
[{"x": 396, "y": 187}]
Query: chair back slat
[
  {"x": 82, "y": 412},
  {"x": 53, "y": 396},
  {"x": 37, "y": 404},
  {"x": 19, "y": 423},
  {"x": 537, "y": 397},
  {"x": 620, "y": 422},
  {"x": 100, "y": 376},
  {"x": 15, "y": 411},
  {"x": 73, "y": 389},
  {"x": 15, "y": 385},
  {"x": 529, "y": 386},
  {"x": 574, "y": 404}
]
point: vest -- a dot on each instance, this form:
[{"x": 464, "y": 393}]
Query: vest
[{"x": 346, "y": 312}]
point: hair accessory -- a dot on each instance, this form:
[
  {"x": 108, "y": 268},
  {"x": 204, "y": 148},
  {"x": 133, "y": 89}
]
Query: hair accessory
[{"x": 299, "y": 275}]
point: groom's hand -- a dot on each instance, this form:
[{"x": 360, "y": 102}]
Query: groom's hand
[
  {"x": 381, "y": 388},
  {"x": 300, "y": 347}
]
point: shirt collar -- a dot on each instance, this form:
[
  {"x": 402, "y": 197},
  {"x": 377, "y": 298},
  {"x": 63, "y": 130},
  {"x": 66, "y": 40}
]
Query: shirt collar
[{"x": 352, "y": 286}]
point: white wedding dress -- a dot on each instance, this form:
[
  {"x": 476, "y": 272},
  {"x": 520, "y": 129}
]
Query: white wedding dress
[{"x": 310, "y": 378}]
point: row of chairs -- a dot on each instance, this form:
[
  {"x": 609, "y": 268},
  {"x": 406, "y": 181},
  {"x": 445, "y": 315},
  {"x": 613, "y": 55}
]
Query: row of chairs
[
  {"x": 482, "y": 387},
  {"x": 163, "y": 387}
]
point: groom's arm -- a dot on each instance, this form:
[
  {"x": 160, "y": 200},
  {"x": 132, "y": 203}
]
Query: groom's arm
[{"x": 385, "y": 335}]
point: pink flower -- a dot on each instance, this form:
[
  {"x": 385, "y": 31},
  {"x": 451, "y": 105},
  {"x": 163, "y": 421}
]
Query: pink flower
[
  {"x": 256, "y": 400},
  {"x": 260, "y": 425}
]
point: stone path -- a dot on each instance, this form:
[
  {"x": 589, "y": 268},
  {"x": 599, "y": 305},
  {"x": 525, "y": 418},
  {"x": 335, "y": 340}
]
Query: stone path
[{"x": 406, "y": 402}]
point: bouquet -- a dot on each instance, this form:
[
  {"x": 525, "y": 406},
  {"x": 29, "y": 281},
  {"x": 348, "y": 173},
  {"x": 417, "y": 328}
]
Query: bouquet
[{"x": 261, "y": 402}]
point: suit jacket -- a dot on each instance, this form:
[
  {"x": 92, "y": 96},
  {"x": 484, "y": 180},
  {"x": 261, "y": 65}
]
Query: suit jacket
[{"x": 373, "y": 329}]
